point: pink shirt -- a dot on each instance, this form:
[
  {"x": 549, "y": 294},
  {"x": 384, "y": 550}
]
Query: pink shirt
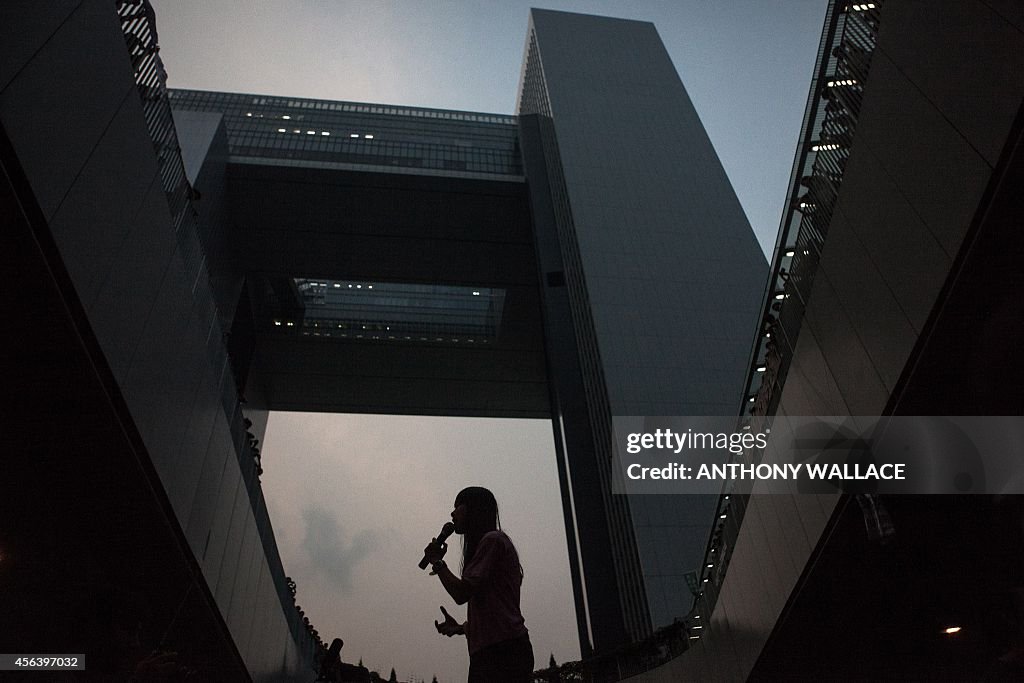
[{"x": 493, "y": 611}]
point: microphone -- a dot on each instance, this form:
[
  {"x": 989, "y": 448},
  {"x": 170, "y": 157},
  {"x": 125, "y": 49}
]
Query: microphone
[{"x": 447, "y": 530}]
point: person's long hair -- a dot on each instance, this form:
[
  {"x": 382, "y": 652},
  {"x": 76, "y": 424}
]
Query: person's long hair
[{"x": 481, "y": 517}]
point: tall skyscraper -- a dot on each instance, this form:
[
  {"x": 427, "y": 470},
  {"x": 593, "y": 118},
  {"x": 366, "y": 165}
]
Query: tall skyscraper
[{"x": 662, "y": 274}]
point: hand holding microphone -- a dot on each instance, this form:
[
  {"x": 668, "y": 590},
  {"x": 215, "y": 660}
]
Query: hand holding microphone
[{"x": 437, "y": 548}]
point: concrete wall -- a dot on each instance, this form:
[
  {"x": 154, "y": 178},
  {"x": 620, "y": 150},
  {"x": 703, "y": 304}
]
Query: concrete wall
[
  {"x": 72, "y": 111},
  {"x": 946, "y": 81}
]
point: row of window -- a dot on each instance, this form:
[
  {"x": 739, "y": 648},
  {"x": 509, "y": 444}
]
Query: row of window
[{"x": 257, "y": 101}]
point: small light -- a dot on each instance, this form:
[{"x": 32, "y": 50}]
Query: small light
[
  {"x": 696, "y": 616},
  {"x": 761, "y": 368},
  {"x": 337, "y": 284},
  {"x": 286, "y": 117},
  {"x": 751, "y": 399},
  {"x": 359, "y": 286},
  {"x": 324, "y": 133},
  {"x": 350, "y": 286},
  {"x": 780, "y": 296},
  {"x": 706, "y": 580},
  {"x": 369, "y": 286},
  {"x": 694, "y": 637},
  {"x": 790, "y": 252},
  {"x": 721, "y": 516},
  {"x": 767, "y": 335},
  {"x": 476, "y": 293},
  {"x": 249, "y": 114},
  {"x": 281, "y": 130},
  {"x": 310, "y": 132},
  {"x": 278, "y": 323},
  {"x": 354, "y": 135},
  {"x": 698, "y": 626},
  {"x": 951, "y": 630},
  {"x": 296, "y": 131},
  {"x": 727, "y": 498},
  {"x": 291, "y": 324},
  {"x": 711, "y": 566},
  {"x": 368, "y": 137}
]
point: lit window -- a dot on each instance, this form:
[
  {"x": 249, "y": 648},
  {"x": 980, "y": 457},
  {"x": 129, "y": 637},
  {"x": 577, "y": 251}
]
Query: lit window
[
  {"x": 354, "y": 135},
  {"x": 286, "y": 117},
  {"x": 281, "y": 130},
  {"x": 325, "y": 133},
  {"x": 368, "y": 137},
  {"x": 310, "y": 132}
]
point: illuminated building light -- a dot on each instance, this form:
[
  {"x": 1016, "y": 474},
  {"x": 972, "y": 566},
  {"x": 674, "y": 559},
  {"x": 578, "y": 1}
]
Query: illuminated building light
[{"x": 951, "y": 630}]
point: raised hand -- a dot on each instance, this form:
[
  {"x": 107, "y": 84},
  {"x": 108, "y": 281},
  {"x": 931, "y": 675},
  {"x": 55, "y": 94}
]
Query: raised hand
[
  {"x": 449, "y": 627},
  {"x": 435, "y": 551}
]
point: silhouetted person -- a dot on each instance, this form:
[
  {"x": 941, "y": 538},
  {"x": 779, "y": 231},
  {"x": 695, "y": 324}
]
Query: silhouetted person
[
  {"x": 330, "y": 664},
  {"x": 499, "y": 644}
]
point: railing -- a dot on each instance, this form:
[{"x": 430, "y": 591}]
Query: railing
[{"x": 826, "y": 137}]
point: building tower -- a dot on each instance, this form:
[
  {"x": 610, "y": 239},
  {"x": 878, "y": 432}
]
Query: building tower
[{"x": 651, "y": 274}]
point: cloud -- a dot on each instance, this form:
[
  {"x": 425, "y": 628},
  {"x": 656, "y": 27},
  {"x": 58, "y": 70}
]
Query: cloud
[{"x": 330, "y": 551}]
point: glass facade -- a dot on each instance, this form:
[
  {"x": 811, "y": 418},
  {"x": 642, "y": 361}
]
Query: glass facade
[
  {"x": 389, "y": 136},
  {"x": 389, "y": 311}
]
